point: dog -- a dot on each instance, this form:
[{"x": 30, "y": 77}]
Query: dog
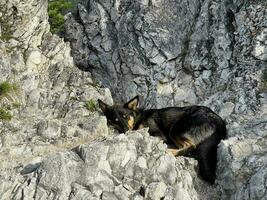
[{"x": 193, "y": 131}]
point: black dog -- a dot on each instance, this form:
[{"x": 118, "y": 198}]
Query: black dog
[{"x": 192, "y": 130}]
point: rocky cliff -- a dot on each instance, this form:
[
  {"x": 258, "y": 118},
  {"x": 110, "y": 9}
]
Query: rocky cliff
[
  {"x": 51, "y": 94},
  {"x": 183, "y": 52},
  {"x": 58, "y": 146}
]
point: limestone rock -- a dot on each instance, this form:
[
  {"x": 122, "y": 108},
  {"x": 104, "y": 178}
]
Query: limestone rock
[
  {"x": 50, "y": 113},
  {"x": 179, "y": 52},
  {"x": 208, "y": 51},
  {"x": 242, "y": 169},
  {"x": 182, "y": 53},
  {"x": 111, "y": 169}
]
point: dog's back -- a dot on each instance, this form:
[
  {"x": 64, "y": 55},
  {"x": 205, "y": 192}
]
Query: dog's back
[
  {"x": 195, "y": 123},
  {"x": 194, "y": 130}
]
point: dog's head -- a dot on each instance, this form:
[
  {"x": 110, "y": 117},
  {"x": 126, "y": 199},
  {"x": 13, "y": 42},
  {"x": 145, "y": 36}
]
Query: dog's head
[{"x": 122, "y": 117}]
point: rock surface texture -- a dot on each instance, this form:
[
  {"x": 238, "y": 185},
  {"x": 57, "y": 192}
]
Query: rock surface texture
[
  {"x": 50, "y": 115},
  {"x": 179, "y": 52},
  {"x": 173, "y": 52},
  {"x": 184, "y": 52},
  {"x": 132, "y": 166}
]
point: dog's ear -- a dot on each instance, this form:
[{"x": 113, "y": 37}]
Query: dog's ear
[
  {"x": 102, "y": 105},
  {"x": 133, "y": 103}
]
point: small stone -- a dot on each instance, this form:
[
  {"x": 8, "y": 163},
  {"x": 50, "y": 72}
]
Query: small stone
[
  {"x": 155, "y": 191},
  {"x": 227, "y": 109}
]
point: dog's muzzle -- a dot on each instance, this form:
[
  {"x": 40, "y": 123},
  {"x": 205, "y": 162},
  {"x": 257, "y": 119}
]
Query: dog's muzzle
[{"x": 122, "y": 128}]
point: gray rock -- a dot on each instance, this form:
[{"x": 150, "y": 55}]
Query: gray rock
[
  {"x": 242, "y": 161},
  {"x": 48, "y": 108},
  {"x": 227, "y": 109},
  {"x": 260, "y": 49},
  {"x": 172, "y": 53},
  {"x": 156, "y": 190},
  {"x": 49, "y": 129},
  {"x": 128, "y": 166},
  {"x": 153, "y": 48},
  {"x": 182, "y": 53}
]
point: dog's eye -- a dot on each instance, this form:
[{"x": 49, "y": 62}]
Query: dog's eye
[{"x": 116, "y": 119}]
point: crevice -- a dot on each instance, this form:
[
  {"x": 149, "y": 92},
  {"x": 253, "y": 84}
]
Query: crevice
[
  {"x": 159, "y": 50},
  {"x": 77, "y": 150},
  {"x": 90, "y": 47},
  {"x": 142, "y": 191},
  {"x": 36, "y": 183},
  {"x": 22, "y": 194},
  {"x": 210, "y": 41},
  {"x": 101, "y": 195},
  {"x": 187, "y": 40},
  {"x": 114, "y": 35},
  {"x": 150, "y": 3},
  {"x": 230, "y": 27},
  {"x": 140, "y": 50}
]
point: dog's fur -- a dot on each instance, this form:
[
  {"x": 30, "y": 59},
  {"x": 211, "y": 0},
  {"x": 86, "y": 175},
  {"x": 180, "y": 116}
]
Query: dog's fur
[{"x": 193, "y": 130}]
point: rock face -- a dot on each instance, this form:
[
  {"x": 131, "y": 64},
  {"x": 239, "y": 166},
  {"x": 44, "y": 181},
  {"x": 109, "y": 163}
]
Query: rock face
[
  {"x": 132, "y": 166},
  {"x": 186, "y": 52},
  {"x": 179, "y": 52},
  {"x": 173, "y": 52},
  {"x": 242, "y": 164},
  {"x": 50, "y": 115}
]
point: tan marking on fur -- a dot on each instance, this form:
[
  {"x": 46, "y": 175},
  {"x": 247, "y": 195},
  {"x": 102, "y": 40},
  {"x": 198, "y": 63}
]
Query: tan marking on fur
[
  {"x": 131, "y": 123},
  {"x": 172, "y": 151},
  {"x": 189, "y": 143},
  {"x": 179, "y": 152},
  {"x": 183, "y": 143}
]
